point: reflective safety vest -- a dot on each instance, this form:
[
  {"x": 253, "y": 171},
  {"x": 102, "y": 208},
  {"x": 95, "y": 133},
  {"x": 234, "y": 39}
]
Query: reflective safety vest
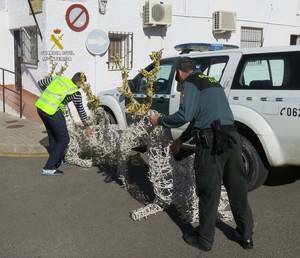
[{"x": 51, "y": 99}]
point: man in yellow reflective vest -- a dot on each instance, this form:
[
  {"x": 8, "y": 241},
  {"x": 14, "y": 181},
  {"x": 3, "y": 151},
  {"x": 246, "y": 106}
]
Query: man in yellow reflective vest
[{"x": 57, "y": 92}]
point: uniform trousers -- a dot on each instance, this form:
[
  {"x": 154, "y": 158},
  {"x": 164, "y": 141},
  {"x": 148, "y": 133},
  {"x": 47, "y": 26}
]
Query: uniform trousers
[{"x": 210, "y": 171}]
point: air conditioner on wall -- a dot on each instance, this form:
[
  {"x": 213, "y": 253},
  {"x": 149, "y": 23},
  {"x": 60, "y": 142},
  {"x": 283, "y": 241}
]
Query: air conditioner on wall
[
  {"x": 157, "y": 13},
  {"x": 223, "y": 21}
]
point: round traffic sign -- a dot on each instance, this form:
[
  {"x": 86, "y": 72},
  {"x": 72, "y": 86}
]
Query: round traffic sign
[
  {"x": 77, "y": 17},
  {"x": 97, "y": 42}
]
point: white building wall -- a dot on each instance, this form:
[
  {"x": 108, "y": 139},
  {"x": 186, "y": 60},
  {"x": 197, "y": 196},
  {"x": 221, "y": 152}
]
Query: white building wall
[
  {"x": 192, "y": 22},
  {"x": 6, "y": 46},
  {"x": 18, "y": 18},
  {"x": 19, "y": 14},
  {"x": 3, "y": 5}
]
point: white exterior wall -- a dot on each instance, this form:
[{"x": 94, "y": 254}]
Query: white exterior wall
[
  {"x": 3, "y": 6},
  {"x": 191, "y": 23},
  {"x": 19, "y": 17},
  {"x": 6, "y": 45}
]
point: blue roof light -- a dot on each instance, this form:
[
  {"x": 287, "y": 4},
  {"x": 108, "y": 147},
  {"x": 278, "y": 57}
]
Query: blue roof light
[{"x": 189, "y": 47}]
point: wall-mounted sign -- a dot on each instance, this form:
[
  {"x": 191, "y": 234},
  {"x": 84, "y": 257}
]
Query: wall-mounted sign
[
  {"x": 37, "y": 6},
  {"x": 77, "y": 17},
  {"x": 97, "y": 42},
  {"x": 56, "y": 39},
  {"x": 57, "y": 52}
]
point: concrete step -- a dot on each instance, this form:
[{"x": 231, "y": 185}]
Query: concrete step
[{"x": 9, "y": 110}]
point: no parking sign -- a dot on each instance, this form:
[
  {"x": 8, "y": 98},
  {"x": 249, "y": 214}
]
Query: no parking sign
[{"x": 77, "y": 17}]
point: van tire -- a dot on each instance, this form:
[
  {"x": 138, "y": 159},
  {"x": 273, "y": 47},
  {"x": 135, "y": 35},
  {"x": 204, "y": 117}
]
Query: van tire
[
  {"x": 254, "y": 167},
  {"x": 112, "y": 118}
]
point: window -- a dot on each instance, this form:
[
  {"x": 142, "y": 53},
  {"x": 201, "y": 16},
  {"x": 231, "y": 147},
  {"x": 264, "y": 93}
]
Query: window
[
  {"x": 213, "y": 66},
  {"x": 121, "y": 45},
  {"x": 255, "y": 71},
  {"x": 277, "y": 71},
  {"x": 161, "y": 86},
  {"x": 263, "y": 73},
  {"x": 251, "y": 37},
  {"x": 29, "y": 45},
  {"x": 269, "y": 72},
  {"x": 295, "y": 40}
]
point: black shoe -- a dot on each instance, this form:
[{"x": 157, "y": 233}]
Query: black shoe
[
  {"x": 247, "y": 244},
  {"x": 193, "y": 240}
]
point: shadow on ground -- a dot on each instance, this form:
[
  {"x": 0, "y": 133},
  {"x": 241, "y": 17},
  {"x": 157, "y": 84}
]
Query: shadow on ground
[
  {"x": 139, "y": 185},
  {"x": 45, "y": 142},
  {"x": 283, "y": 176}
]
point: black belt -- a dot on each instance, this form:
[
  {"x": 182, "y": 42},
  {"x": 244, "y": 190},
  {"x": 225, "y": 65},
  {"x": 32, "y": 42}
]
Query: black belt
[
  {"x": 208, "y": 136},
  {"x": 209, "y": 131}
]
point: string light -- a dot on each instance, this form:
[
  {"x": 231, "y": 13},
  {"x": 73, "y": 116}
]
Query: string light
[{"x": 173, "y": 181}]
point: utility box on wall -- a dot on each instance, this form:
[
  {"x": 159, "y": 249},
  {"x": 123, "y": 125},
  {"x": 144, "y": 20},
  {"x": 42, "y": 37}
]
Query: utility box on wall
[
  {"x": 157, "y": 13},
  {"x": 223, "y": 21}
]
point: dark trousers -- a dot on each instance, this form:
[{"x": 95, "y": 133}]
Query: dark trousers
[
  {"x": 210, "y": 171},
  {"x": 58, "y": 137}
]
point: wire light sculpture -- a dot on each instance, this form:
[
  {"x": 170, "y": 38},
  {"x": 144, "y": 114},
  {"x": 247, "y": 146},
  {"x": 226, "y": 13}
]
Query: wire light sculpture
[
  {"x": 173, "y": 181},
  {"x": 53, "y": 64}
]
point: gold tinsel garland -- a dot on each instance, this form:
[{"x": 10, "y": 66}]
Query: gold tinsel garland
[
  {"x": 134, "y": 106},
  {"x": 93, "y": 102}
]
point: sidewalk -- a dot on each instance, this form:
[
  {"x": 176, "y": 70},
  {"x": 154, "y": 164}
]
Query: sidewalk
[{"x": 21, "y": 137}]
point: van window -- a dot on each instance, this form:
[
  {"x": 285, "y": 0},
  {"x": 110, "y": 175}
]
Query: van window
[
  {"x": 255, "y": 70},
  {"x": 277, "y": 70},
  {"x": 212, "y": 66},
  {"x": 268, "y": 71},
  {"x": 162, "y": 85}
]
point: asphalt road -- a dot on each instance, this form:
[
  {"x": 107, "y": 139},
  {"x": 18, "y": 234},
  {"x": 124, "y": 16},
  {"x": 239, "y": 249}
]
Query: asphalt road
[{"x": 78, "y": 215}]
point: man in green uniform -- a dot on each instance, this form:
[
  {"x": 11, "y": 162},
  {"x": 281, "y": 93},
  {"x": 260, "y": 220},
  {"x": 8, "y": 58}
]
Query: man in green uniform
[{"x": 218, "y": 153}]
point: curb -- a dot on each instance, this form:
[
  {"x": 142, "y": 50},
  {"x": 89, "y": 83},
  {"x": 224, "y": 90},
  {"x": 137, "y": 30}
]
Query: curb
[
  {"x": 23, "y": 155},
  {"x": 22, "y": 150}
]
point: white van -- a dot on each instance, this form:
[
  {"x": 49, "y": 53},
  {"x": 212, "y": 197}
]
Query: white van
[{"x": 263, "y": 88}]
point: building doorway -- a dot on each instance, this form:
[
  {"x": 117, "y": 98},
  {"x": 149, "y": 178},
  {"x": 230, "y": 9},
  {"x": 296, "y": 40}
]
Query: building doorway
[{"x": 18, "y": 59}]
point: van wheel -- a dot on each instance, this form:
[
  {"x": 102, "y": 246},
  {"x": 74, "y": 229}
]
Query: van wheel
[
  {"x": 111, "y": 118},
  {"x": 254, "y": 167}
]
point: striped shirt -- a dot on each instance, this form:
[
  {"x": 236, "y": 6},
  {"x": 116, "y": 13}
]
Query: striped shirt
[{"x": 76, "y": 98}]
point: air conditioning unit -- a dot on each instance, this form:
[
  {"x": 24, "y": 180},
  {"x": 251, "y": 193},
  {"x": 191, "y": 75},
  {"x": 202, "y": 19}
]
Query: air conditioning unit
[
  {"x": 223, "y": 21},
  {"x": 157, "y": 13}
]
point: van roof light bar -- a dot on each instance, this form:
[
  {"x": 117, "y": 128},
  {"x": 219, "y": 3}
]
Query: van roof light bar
[{"x": 189, "y": 47}]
